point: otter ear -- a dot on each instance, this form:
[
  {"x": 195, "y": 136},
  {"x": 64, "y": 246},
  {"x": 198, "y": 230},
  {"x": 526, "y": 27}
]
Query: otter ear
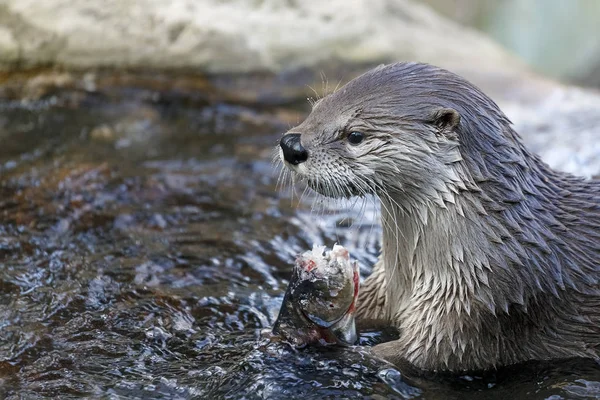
[{"x": 446, "y": 119}]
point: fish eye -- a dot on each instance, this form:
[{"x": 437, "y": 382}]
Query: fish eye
[{"x": 355, "y": 137}]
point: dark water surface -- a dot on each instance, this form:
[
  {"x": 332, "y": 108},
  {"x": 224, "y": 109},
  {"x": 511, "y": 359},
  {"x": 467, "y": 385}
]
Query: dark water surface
[{"x": 144, "y": 247}]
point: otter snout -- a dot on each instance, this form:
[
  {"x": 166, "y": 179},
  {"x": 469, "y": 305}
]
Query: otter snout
[{"x": 293, "y": 152}]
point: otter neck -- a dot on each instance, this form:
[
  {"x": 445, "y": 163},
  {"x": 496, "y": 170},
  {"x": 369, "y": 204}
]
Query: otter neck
[
  {"x": 432, "y": 251},
  {"x": 490, "y": 244}
]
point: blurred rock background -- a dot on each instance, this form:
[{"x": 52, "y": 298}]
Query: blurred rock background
[{"x": 557, "y": 38}]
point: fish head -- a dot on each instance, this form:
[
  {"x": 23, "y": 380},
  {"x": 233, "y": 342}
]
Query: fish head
[{"x": 320, "y": 303}]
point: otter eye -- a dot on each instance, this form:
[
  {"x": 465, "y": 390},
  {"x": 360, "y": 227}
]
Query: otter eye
[{"x": 355, "y": 137}]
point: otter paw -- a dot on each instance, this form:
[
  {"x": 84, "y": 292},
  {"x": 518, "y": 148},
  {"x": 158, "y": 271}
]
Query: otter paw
[{"x": 390, "y": 352}]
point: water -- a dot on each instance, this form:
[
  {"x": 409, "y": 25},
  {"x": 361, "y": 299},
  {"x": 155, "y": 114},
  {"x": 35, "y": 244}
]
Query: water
[{"x": 144, "y": 248}]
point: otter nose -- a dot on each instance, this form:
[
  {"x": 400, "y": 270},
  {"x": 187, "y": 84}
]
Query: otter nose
[{"x": 293, "y": 152}]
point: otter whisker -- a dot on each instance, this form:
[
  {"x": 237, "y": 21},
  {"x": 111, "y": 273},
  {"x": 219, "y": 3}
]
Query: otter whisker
[
  {"x": 338, "y": 85},
  {"x": 397, "y": 255},
  {"x": 280, "y": 184},
  {"x": 365, "y": 193},
  {"x": 395, "y": 230},
  {"x": 303, "y": 195},
  {"x": 384, "y": 221},
  {"x": 357, "y": 224},
  {"x": 294, "y": 185},
  {"x": 315, "y": 199},
  {"x": 317, "y": 96},
  {"x": 324, "y": 84},
  {"x": 388, "y": 197}
]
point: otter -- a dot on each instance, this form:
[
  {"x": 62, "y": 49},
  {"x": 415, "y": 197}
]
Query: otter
[{"x": 489, "y": 257}]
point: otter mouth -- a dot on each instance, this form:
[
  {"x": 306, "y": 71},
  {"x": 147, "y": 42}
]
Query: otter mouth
[
  {"x": 324, "y": 186},
  {"x": 335, "y": 191}
]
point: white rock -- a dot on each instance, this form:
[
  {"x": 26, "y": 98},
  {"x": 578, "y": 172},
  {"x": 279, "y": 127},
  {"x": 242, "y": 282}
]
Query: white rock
[
  {"x": 9, "y": 48},
  {"x": 237, "y": 35}
]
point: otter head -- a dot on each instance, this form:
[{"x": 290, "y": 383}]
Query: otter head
[{"x": 394, "y": 130}]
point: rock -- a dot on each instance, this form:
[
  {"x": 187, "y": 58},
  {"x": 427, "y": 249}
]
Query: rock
[
  {"x": 563, "y": 128},
  {"x": 237, "y": 36},
  {"x": 9, "y": 48},
  {"x": 103, "y": 133},
  {"x": 557, "y": 38},
  {"x": 266, "y": 51}
]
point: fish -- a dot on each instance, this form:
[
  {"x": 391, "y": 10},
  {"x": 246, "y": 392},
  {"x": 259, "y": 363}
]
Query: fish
[{"x": 319, "y": 305}]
